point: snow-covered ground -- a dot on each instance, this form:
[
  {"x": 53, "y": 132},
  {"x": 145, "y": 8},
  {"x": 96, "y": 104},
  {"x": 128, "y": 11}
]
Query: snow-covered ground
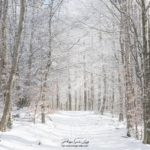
[{"x": 102, "y": 133}]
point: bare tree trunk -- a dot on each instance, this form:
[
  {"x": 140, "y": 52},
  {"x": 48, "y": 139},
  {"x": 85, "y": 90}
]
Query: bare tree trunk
[
  {"x": 75, "y": 97},
  {"x": 99, "y": 95},
  {"x": 48, "y": 65},
  {"x": 146, "y": 68},
  {"x": 105, "y": 92},
  {"x": 4, "y": 33},
  {"x": 121, "y": 118},
  {"x": 85, "y": 86},
  {"x": 113, "y": 96},
  {"x": 57, "y": 98},
  {"x": 80, "y": 100},
  {"x": 30, "y": 61},
  {"x": 3, "y": 46},
  {"x": 8, "y": 98},
  {"x": 92, "y": 91},
  {"x": 88, "y": 99},
  {"x": 69, "y": 92},
  {"x": 129, "y": 88}
]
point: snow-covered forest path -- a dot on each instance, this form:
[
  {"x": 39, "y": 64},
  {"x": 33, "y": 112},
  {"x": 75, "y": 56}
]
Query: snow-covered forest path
[{"x": 102, "y": 133}]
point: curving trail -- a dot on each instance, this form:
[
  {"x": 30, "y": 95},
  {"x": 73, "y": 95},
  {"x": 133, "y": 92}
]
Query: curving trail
[{"x": 102, "y": 132}]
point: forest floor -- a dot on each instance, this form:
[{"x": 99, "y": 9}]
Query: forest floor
[{"x": 69, "y": 131}]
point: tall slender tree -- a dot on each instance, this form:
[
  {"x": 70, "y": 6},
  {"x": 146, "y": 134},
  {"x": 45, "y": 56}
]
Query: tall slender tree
[{"x": 9, "y": 87}]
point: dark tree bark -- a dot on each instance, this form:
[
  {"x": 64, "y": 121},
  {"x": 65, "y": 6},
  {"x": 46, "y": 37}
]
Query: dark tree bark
[
  {"x": 105, "y": 93},
  {"x": 99, "y": 95},
  {"x": 57, "y": 98},
  {"x": 75, "y": 97},
  {"x": 85, "y": 87},
  {"x": 8, "y": 98},
  {"x": 69, "y": 93},
  {"x": 92, "y": 91},
  {"x": 146, "y": 68}
]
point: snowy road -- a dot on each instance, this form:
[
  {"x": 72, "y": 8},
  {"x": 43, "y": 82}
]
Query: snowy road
[{"x": 102, "y": 133}]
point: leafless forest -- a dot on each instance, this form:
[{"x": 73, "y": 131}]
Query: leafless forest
[{"x": 76, "y": 55}]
